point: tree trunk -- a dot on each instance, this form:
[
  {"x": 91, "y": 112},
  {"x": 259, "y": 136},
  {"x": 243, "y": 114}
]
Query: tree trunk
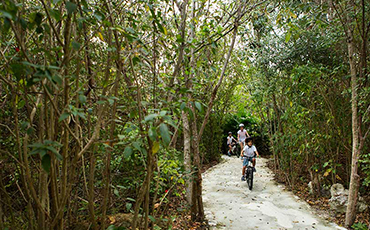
[
  {"x": 148, "y": 180},
  {"x": 2, "y": 198},
  {"x": 1, "y": 216},
  {"x": 187, "y": 156},
  {"x": 356, "y": 151},
  {"x": 106, "y": 199},
  {"x": 184, "y": 115},
  {"x": 90, "y": 190},
  {"x": 197, "y": 209}
]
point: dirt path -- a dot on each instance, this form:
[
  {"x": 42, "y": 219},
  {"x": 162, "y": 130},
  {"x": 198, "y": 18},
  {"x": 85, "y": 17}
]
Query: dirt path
[{"x": 229, "y": 204}]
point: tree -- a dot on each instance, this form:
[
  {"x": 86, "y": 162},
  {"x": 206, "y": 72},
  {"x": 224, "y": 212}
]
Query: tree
[{"x": 355, "y": 20}]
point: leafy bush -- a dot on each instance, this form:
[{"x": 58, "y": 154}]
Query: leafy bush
[
  {"x": 360, "y": 226},
  {"x": 365, "y": 162}
]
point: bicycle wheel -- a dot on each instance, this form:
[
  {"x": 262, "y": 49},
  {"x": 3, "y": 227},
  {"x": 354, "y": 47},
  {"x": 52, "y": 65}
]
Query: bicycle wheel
[
  {"x": 250, "y": 178},
  {"x": 246, "y": 175}
]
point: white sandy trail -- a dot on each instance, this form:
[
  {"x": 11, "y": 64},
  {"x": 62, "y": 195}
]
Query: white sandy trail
[{"x": 230, "y": 205}]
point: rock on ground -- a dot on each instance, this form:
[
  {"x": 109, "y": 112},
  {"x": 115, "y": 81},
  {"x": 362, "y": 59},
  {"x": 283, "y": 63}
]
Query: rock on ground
[
  {"x": 229, "y": 204},
  {"x": 339, "y": 199}
]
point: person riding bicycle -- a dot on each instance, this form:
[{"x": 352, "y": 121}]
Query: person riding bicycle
[
  {"x": 249, "y": 153},
  {"x": 242, "y": 135},
  {"x": 230, "y": 140}
]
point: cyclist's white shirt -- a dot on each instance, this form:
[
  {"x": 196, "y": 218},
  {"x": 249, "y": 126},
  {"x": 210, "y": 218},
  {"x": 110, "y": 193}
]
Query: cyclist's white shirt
[
  {"x": 229, "y": 140},
  {"x": 249, "y": 151},
  {"x": 242, "y": 135}
]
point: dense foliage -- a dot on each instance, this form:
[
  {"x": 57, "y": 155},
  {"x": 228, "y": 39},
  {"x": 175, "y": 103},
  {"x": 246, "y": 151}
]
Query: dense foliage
[
  {"x": 300, "y": 82},
  {"x": 95, "y": 96},
  {"x": 113, "y": 107}
]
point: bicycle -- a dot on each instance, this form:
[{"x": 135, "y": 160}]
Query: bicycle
[
  {"x": 248, "y": 175},
  {"x": 233, "y": 150}
]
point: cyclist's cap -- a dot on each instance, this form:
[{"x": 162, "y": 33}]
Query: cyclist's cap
[
  {"x": 230, "y": 132},
  {"x": 241, "y": 125}
]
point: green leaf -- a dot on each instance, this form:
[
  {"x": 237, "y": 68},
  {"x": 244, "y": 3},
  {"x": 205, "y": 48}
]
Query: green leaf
[
  {"x": 111, "y": 227},
  {"x": 24, "y": 125},
  {"x": 136, "y": 145},
  {"x": 82, "y": 115},
  {"x": 76, "y": 45},
  {"x": 30, "y": 131},
  {"x": 165, "y": 134},
  {"x": 170, "y": 121},
  {"x": 56, "y": 153},
  {"x": 71, "y": 7},
  {"x": 30, "y": 64},
  {"x": 21, "y": 103},
  {"x": 57, "y": 79},
  {"x": 288, "y": 36},
  {"x": 52, "y": 149},
  {"x": 24, "y": 24},
  {"x": 179, "y": 39},
  {"x": 63, "y": 116},
  {"x": 152, "y": 134},
  {"x": 98, "y": 16},
  {"x": 39, "y": 151},
  {"x": 150, "y": 117},
  {"x": 5, "y": 14},
  {"x": 128, "y": 207},
  {"x": 55, "y": 14},
  {"x": 199, "y": 106},
  {"x": 82, "y": 98},
  {"x": 183, "y": 105},
  {"x": 127, "y": 153},
  {"x": 46, "y": 162},
  {"x": 37, "y": 145},
  {"x": 151, "y": 218},
  {"x": 161, "y": 28},
  {"x": 135, "y": 60}
]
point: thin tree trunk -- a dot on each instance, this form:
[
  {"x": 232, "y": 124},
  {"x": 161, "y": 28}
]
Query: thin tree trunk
[
  {"x": 139, "y": 201},
  {"x": 148, "y": 180},
  {"x": 183, "y": 8},
  {"x": 1, "y": 215},
  {"x": 107, "y": 173},
  {"x": 91, "y": 189},
  {"x": 43, "y": 177},
  {"x": 187, "y": 154},
  {"x": 197, "y": 209},
  {"x": 356, "y": 151}
]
